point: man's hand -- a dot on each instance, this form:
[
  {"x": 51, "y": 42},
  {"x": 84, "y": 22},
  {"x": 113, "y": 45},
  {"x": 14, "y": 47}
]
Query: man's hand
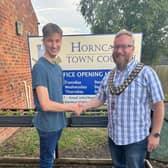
[
  {"x": 77, "y": 108},
  {"x": 153, "y": 142}
]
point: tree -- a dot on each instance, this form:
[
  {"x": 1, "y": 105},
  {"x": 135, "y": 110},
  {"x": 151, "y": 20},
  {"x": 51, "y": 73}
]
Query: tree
[{"x": 147, "y": 16}]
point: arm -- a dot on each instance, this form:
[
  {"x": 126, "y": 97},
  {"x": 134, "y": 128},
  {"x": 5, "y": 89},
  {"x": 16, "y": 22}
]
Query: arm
[
  {"x": 100, "y": 96},
  {"x": 158, "y": 117},
  {"x": 93, "y": 103},
  {"x": 157, "y": 122},
  {"x": 49, "y": 105}
]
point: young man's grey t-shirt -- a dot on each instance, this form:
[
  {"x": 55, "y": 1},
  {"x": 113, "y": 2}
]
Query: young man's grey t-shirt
[{"x": 50, "y": 76}]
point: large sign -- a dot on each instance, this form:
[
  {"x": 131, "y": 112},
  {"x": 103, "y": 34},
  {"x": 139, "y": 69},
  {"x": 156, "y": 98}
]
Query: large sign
[{"x": 85, "y": 59}]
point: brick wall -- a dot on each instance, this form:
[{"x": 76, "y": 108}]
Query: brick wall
[
  {"x": 14, "y": 55},
  {"x": 15, "y": 77}
]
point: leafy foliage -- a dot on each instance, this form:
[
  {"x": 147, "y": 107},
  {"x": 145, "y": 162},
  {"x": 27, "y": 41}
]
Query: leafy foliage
[{"x": 147, "y": 16}]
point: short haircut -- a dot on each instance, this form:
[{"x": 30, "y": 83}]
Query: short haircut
[
  {"x": 51, "y": 28},
  {"x": 125, "y": 32}
]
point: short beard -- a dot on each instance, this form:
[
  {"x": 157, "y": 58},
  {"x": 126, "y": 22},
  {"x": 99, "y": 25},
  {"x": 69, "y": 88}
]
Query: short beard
[{"x": 121, "y": 66}]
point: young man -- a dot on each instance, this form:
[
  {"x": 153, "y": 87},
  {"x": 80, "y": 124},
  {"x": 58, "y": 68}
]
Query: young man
[
  {"x": 130, "y": 98},
  {"x": 47, "y": 80}
]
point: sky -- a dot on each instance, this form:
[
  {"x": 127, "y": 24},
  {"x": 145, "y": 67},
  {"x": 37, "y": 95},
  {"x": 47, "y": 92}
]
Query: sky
[{"x": 65, "y": 13}]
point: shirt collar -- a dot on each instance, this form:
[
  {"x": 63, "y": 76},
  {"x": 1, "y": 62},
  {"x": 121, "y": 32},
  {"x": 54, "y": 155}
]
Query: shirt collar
[{"x": 132, "y": 64}]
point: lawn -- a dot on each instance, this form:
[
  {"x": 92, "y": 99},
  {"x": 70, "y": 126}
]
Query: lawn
[{"x": 26, "y": 143}]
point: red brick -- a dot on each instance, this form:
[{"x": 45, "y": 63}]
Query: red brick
[
  {"x": 14, "y": 58},
  {"x": 14, "y": 55}
]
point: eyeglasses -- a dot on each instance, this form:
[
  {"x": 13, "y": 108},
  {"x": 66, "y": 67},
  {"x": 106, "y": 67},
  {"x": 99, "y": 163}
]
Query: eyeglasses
[{"x": 122, "y": 46}]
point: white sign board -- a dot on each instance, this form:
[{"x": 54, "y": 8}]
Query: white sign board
[{"x": 85, "y": 59}]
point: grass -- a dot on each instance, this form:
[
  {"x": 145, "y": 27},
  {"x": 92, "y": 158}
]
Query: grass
[
  {"x": 26, "y": 143},
  {"x": 23, "y": 143}
]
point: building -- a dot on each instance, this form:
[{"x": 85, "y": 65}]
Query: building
[{"x": 17, "y": 20}]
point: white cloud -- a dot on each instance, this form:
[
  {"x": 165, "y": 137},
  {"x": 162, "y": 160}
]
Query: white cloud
[
  {"x": 71, "y": 30},
  {"x": 50, "y": 10},
  {"x": 62, "y": 12}
]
